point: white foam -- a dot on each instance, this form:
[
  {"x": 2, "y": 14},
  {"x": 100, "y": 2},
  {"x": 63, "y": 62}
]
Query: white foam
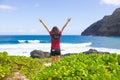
[
  {"x": 34, "y": 41},
  {"x": 23, "y": 49},
  {"x": 108, "y": 50},
  {"x": 21, "y": 41},
  {"x": 26, "y": 48}
]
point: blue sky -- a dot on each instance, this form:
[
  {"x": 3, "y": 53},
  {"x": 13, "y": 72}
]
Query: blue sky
[{"x": 20, "y": 17}]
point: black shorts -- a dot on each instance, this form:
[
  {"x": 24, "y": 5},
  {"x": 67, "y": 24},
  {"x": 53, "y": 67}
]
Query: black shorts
[{"x": 55, "y": 52}]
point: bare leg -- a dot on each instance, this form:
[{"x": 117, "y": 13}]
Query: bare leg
[
  {"x": 58, "y": 58},
  {"x": 53, "y": 59}
]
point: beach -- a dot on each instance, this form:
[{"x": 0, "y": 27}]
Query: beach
[
  {"x": 22, "y": 45},
  {"x": 25, "y": 49}
]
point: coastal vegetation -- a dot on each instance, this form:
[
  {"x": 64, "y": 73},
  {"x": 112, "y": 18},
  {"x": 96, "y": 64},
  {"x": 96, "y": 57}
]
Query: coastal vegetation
[{"x": 73, "y": 67}]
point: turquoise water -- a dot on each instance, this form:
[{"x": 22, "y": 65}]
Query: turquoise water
[
  {"x": 22, "y": 45},
  {"x": 106, "y": 42}
]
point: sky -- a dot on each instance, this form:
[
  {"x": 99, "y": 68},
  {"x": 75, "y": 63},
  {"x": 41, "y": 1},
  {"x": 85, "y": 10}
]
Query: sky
[{"x": 20, "y": 17}]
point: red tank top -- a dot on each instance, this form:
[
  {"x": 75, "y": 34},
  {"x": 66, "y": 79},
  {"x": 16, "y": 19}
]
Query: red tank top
[{"x": 55, "y": 43}]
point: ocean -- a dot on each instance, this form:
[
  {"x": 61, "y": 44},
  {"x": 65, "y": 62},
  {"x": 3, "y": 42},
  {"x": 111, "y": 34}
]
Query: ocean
[{"x": 22, "y": 45}]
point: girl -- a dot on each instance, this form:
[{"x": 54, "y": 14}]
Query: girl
[{"x": 55, "y": 35}]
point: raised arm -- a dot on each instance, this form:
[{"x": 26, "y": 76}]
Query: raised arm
[
  {"x": 44, "y": 25},
  {"x": 68, "y": 20}
]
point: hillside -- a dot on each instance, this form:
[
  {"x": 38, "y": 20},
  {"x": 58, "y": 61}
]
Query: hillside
[{"x": 108, "y": 26}]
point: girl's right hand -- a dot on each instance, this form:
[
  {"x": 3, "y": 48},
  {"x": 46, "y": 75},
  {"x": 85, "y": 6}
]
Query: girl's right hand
[
  {"x": 69, "y": 19},
  {"x": 40, "y": 20}
]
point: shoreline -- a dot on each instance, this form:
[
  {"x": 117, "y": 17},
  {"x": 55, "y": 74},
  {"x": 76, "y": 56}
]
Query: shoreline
[
  {"x": 25, "y": 49},
  {"x": 26, "y": 52}
]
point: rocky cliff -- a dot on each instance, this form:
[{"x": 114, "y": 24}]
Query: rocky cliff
[{"x": 108, "y": 26}]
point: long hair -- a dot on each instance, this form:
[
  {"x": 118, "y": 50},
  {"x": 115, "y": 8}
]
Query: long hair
[{"x": 55, "y": 30}]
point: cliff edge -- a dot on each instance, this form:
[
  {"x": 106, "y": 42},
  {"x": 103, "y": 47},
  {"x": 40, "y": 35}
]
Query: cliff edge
[{"x": 108, "y": 26}]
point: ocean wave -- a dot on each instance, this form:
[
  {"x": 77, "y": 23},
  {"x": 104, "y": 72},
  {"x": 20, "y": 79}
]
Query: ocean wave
[
  {"x": 86, "y": 44},
  {"x": 22, "y": 41},
  {"x": 43, "y": 45},
  {"x": 29, "y": 41},
  {"x": 77, "y": 44},
  {"x": 33, "y": 41},
  {"x": 25, "y": 49}
]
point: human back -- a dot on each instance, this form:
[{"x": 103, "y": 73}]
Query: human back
[{"x": 55, "y": 35}]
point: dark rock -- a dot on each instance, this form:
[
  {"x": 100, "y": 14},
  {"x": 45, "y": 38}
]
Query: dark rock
[
  {"x": 108, "y": 26},
  {"x": 39, "y": 54},
  {"x": 92, "y": 51}
]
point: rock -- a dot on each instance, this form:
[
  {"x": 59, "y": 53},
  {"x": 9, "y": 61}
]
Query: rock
[
  {"x": 108, "y": 26},
  {"x": 91, "y": 51},
  {"x": 39, "y": 54}
]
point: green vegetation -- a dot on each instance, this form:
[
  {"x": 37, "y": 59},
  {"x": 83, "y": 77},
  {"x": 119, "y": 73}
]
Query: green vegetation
[
  {"x": 74, "y": 67},
  {"x": 25, "y": 65}
]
